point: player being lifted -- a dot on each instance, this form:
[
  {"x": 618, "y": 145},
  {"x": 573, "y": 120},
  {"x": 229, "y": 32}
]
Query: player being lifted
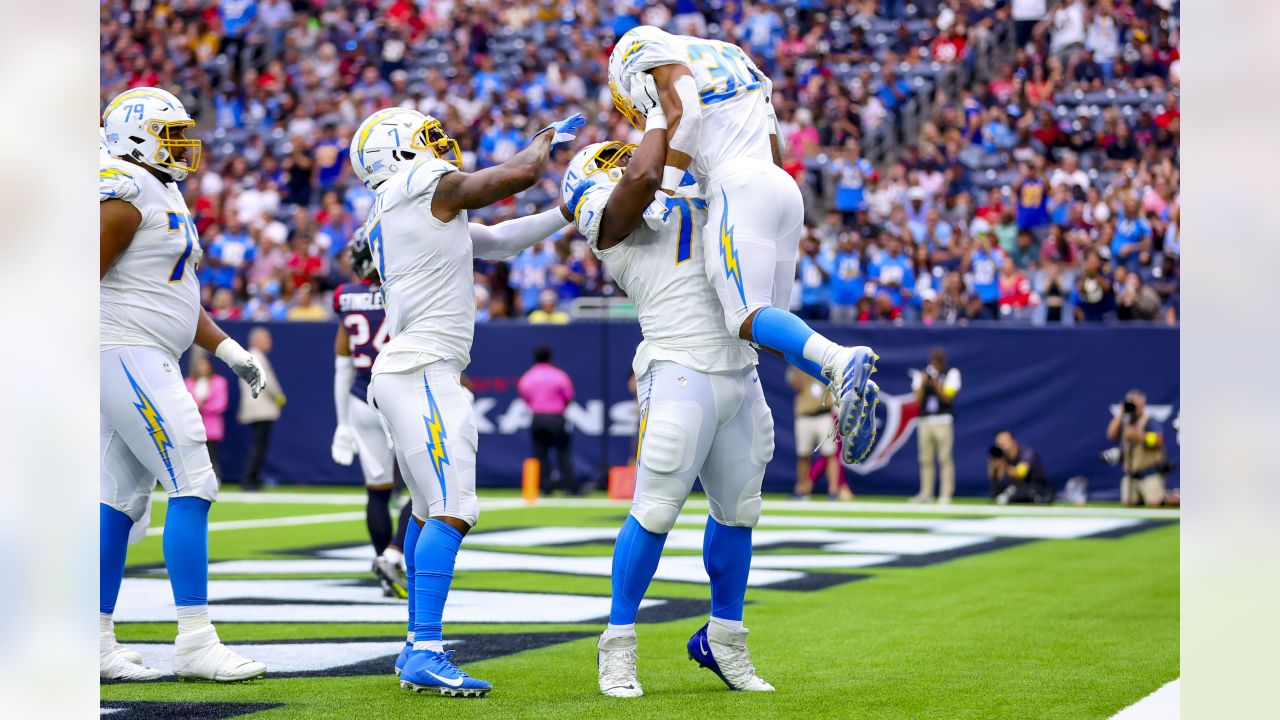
[
  {"x": 361, "y": 334},
  {"x": 724, "y": 130},
  {"x": 703, "y": 413},
  {"x": 150, "y": 429},
  {"x": 423, "y": 247}
]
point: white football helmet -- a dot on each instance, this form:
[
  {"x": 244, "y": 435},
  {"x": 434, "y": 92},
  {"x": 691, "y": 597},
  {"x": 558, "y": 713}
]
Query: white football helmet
[
  {"x": 393, "y": 139},
  {"x": 148, "y": 125},
  {"x": 619, "y": 79},
  {"x": 600, "y": 164}
]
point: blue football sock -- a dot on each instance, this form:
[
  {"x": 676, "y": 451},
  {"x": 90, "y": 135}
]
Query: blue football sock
[
  {"x": 113, "y": 543},
  {"x": 780, "y": 330},
  {"x": 186, "y": 549},
  {"x": 726, "y": 553},
  {"x": 434, "y": 556},
  {"x": 808, "y": 366},
  {"x": 635, "y": 559},
  {"x": 411, "y": 533}
]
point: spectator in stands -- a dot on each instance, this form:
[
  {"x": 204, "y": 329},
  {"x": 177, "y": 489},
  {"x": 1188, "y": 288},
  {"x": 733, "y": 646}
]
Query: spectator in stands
[
  {"x": 1016, "y": 473},
  {"x": 893, "y": 275},
  {"x": 1142, "y": 453},
  {"x": 813, "y": 435},
  {"x": 847, "y": 282},
  {"x": 815, "y": 269},
  {"x": 936, "y": 388},
  {"x": 1094, "y": 299},
  {"x": 547, "y": 390},
  {"x": 260, "y": 413},
  {"x": 210, "y": 392},
  {"x": 982, "y": 267},
  {"x": 548, "y": 310}
]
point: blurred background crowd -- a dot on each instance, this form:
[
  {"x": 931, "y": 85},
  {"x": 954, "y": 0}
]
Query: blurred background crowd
[{"x": 961, "y": 160}]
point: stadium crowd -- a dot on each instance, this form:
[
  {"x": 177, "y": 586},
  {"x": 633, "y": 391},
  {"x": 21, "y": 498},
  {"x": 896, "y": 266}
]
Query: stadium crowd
[{"x": 1026, "y": 163}]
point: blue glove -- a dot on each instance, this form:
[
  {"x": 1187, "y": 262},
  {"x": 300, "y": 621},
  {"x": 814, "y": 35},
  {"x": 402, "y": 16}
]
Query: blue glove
[{"x": 564, "y": 129}]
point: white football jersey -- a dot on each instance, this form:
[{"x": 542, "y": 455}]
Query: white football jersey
[
  {"x": 664, "y": 274},
  {"x": 426, "y": 272},
  {"x": 151, "y": 295},
  {"x": 734, "y": 121}
]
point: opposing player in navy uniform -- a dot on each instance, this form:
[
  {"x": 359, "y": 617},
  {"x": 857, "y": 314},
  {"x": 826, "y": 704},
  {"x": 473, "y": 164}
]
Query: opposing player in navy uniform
[{"x": 361, "y": 334}]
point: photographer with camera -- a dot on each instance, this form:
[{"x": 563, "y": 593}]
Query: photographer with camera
[
  {"x": 1142, "y": 455},
  {"x": 936, "y": 387},
  {"x": 1016, "y": 473}
]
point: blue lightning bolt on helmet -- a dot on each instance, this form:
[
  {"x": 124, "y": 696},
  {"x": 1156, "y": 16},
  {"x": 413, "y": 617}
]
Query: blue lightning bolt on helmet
[
  {"x": 600, "y": 164},
  {"x": 394, "y": 139},
  {"x": 148, "y": 125}
]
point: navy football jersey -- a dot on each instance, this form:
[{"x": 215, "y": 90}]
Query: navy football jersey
[{"x": 360, "y": 307}]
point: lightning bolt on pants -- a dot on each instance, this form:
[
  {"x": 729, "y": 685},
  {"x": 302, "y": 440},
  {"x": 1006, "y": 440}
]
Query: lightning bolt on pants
[
  {"x": 755, "y": 215},
  {"x": 433, "y": 427}
]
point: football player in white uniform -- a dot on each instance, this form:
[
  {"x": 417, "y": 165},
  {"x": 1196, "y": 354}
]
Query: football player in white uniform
[
  {"x": 149, "y": 311},
  {"x": 724, "y": 130},
  {"x": 703, "y": 413},
  {"x": 423, "y": 247}
]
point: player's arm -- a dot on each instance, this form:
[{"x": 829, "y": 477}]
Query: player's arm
[
  {"x": 678, "y": 96},
  {"x": 343, "y": 448},
  {"x": 625, "y": 207},
  {"x": 457, "y": 191},
  {"x": 509, "y": 238},
  {"x": 211, "y": 337},
  {"x": 117, "y": 222}
]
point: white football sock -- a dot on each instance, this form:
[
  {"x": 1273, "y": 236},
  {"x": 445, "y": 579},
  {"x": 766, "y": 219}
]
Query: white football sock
[
  {"x": 192, "y": 618},
  {"x": 432, "y": 645},
  {"x": 728, "y": 624},
  {"x": 393, "y": 555},
  {"x": 620, "y": 630},
  {"x": 820, "y": 350},
  {"x": 104, "y": 623},
  {"x": 408, "y": 637}
]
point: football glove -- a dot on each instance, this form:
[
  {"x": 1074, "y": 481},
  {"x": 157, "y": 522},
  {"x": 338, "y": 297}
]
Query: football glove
[
  {"x": 565, "y": 130},
  {"x": 344, "y": 447},
  {"x": 644, "y": 93},
  {"x": 242, "y": 364}
]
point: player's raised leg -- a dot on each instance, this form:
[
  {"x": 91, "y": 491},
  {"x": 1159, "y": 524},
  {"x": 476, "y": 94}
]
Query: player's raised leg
[
  {"x": 754, "y": 220},
  {"x": 431, "y": 417},
  {"x": 732, "y": 476},
  {"x": 677, "y": 425}
]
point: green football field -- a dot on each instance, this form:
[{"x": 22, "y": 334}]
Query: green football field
[{"x": 861, "y": 610}]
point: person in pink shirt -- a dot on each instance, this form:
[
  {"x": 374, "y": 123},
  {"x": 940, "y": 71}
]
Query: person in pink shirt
[
  {"x": 547, "y": 390},
  {"x": 210, "y": 391}
]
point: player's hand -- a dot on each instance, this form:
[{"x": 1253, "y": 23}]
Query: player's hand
[
  {"x": 565, "y": 130},
  {"x": 655, "y": 214},
  {"x": 644, "y": 93},
  {"x": 344, "y": 447},
  {"x": 242, "y": 364}
]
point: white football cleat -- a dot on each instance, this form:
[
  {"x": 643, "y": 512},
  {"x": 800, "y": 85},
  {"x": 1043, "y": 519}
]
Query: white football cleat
[
  {"x": 616, "y": 660},
  {"x": 199, "y": 655},
  {"x": 116, "y": 662},
  {"x": 724, "y": 652}
]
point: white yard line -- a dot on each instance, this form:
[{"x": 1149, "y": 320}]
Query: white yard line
[
  {"x": 697, "y": 503},
  {"x": 274, "y": 522},
  {"x": 1163, "y": 704}
]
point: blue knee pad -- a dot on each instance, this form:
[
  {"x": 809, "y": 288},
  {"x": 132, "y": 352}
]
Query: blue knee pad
[
  {"x": 186, "y": 549},
  {"x": 113, "y": 544}
]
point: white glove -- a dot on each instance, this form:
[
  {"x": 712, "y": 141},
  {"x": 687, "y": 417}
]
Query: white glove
[
  {"x": 344, "y": 447},
  {"x": 242, "y": 363},
  {"x": 655, "y": 214},
  {"x": 644, "y": 93}
]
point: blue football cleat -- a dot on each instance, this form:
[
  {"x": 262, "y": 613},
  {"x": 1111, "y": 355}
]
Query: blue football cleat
[
  {"x": 404, "y": 656},
  {"x": 724, "y": 652},
  {"x": 857, "y": 447},
  {"x": 848, "y": 377},
  {"x": 429, "y": 671}
]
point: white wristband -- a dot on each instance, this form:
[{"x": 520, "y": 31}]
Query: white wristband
[
  {"x": 230, "y": 352},
  {"x": 656, "y": 119},
  {"x": 672, "y": 176}
]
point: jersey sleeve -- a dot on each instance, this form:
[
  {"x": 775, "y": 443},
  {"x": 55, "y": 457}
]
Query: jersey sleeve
[
  {"x": 645, "y": 48},
  {"x": 588, "y": 212},
  {"x": 337, "y": 298},
  {"x": 421, "y": 180},
  {"x": 118, "y": 180}
]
